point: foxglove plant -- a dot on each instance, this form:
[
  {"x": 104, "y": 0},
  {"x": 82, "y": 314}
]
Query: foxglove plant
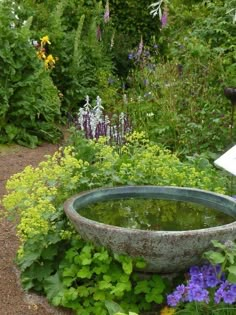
[
  {"x": 164, "y": 18},
  {"x": 95, "y": 123},
  {"x": 107, "y": 13}
]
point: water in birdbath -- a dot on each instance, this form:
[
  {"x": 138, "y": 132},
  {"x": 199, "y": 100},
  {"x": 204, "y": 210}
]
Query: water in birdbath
[{"x": 155, "y": 214}]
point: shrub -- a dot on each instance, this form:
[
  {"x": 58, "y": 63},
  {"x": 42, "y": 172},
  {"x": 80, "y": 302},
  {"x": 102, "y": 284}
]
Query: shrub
[
  {"x": 81, "y": 40},
  {"x": 133, "y": 19},
  {"x": 53, "y": 259},
  {"x": 30, "y": 106}
]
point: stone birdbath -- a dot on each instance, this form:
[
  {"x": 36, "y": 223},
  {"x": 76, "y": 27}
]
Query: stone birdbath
[{"x": 164, "y": 251}]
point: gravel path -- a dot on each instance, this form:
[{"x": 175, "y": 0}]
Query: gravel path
[{"x": 13, "y": 300}]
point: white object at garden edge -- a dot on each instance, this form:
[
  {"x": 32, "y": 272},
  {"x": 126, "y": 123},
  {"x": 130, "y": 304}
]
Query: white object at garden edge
[{"x": 227, "y": 161}]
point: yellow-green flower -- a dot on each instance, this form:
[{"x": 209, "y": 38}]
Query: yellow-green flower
[
  {"x": 41, "y": 54},
  {"x": 167, "y": 311},
  {"x": 50, "y": 61},
  {"x": 45, "y": 40}
]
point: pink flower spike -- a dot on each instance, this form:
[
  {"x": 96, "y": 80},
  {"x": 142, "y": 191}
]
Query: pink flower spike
[
  {"x": 164, "y": 19},
  {"x": 140, "y": 47},
  {"x": 99, "y": 33}
]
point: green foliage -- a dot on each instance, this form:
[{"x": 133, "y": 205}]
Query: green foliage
[
  {"x": 115, "y": 309},
  {"x": 180, "y": 103},
  {"x": 30, "y": 106},
  {"x": 224, "y": 255},
  {"x": 210, "y": 22},
  {"x": 52, "y": 257},
  {"x": 74, "y": 27},
  {"x": 133, "y": 19}
]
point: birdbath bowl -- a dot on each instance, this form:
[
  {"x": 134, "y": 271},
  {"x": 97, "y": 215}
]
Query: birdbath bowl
[{"x": 164, "y": 251}]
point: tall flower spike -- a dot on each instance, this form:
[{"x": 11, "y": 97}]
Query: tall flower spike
[
  {"x": 107, "y": 13},
  {"x": 99, "y": 33},
  {"x": 112, "y": 40},
  {"x": 164, "y": 18},
  {"x": 87, "y": 104},
  {"x": 140, "y": 47}
]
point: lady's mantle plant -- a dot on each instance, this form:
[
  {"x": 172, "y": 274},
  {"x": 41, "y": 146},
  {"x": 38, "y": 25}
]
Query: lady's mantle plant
[{"x": 53, "y": 259}]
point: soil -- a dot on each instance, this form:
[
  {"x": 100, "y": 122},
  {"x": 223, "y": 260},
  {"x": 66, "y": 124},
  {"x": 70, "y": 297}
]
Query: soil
[{"x": 13, "y": 300}]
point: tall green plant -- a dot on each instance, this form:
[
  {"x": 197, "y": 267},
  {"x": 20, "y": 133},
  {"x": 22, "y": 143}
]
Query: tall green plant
[
  {"x": 73, "y": 28},
  {"x": 30, "y": 107}
]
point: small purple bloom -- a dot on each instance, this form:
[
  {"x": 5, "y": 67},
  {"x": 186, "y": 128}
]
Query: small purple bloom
[
  {"x": 173, "y": 299},
  {"x": 180, "y": 289},
  {"x": 194, "y": 270},
  {"x": 197, "y": 280},
  {"x": 229, "y": 297},
  {"x": 218, "y": 296},
  {"x": 198, "y": 294},
  {"x": 140, "y": 47},
  {"x": 211, "y": 281},
  {"x": 107, "y": 13},
  {"x": 233, "y": 288},
  {"x": 164, "y": 19},
  {"x": 130, "y": 56}
]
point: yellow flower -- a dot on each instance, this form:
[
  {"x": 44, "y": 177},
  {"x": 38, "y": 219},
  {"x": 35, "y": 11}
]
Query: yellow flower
[
  {"x": 50, "y": 61},
  {"x": 45, "y": 40},
  {"x": 167, "y": 311},
  {"x": 41, "y": 54}
]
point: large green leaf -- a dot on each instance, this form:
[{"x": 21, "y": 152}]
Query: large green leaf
[{"x": 53, "y": 285}]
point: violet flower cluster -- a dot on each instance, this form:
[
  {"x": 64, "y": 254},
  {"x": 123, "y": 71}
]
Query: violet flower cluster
[
  {"x": 94, "y": 123},
  {"x": 202, "y": 280},
  {"x": 143, "y": 55}
]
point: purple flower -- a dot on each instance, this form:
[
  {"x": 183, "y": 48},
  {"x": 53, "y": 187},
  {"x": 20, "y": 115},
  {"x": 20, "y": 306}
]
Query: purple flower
[
  {"x": 173, "y": 299},
  {"x": 197, "y": 280},
  {"x": 229, "y": 297},
  {"x": 164, "y": 18},
  {"x": 180, "y": 289},
  {"x": 107, "y": 13},
  {"x": 233, "y": 288},
  {"x": 212, "y": 281},
  {"x": 131, "y": 56},
  {"x": 140, "y": 47},
  {"x": 194, "y": 270},
  {"x": 198, "y": 294},
  {"x": 219, "y": 294}
]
